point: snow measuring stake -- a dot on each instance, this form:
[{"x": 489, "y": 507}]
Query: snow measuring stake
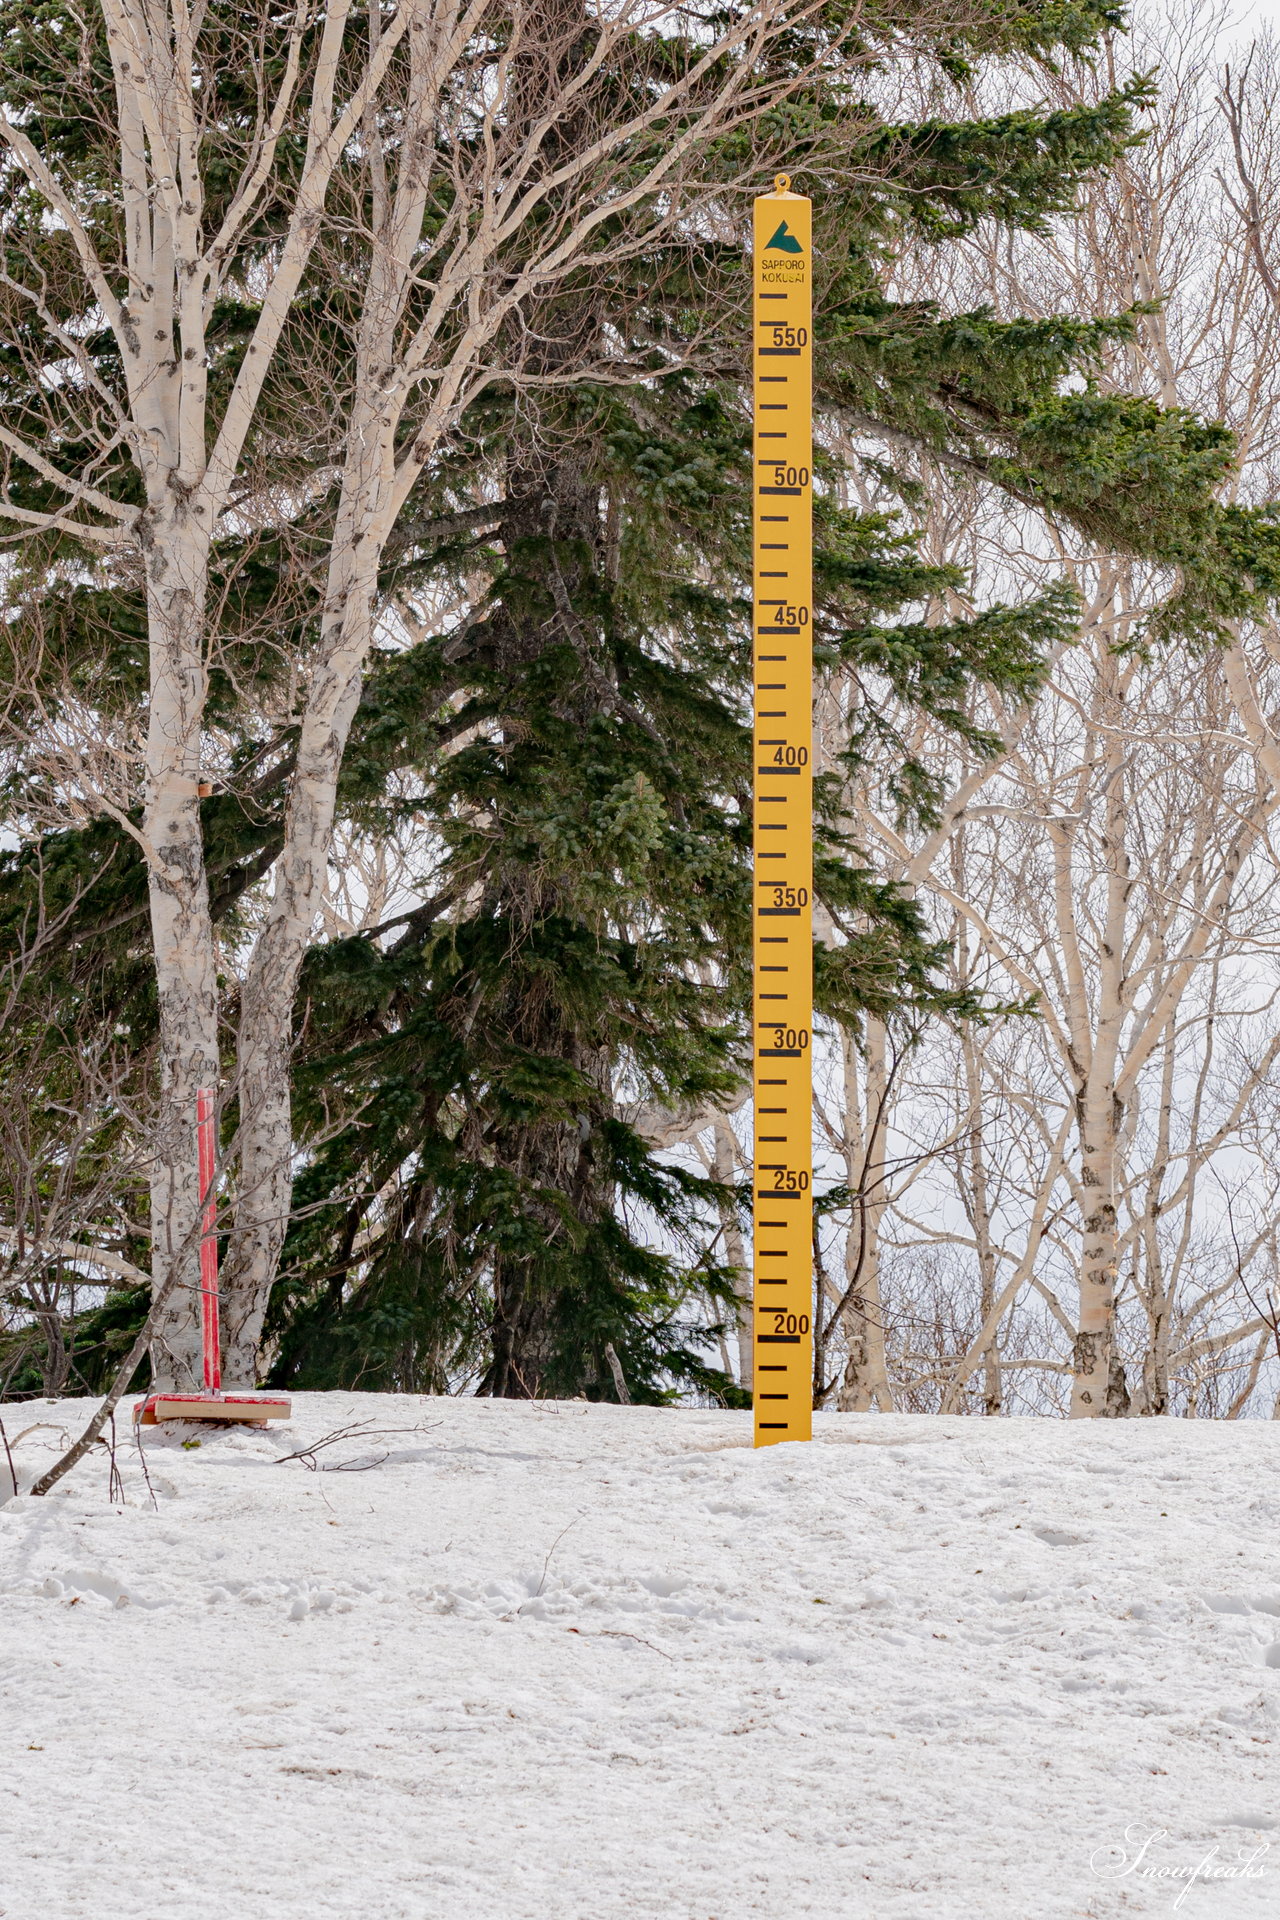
[
  {"x": 254, "y": 1409},
  {"x": 782, "y": 1007}
]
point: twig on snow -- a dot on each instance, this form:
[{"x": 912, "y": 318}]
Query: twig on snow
[
  {"x": 618, "y": 1633},
  {"x": 142, "y": 1461},
  {"x": 360, "y": 1430},
  {"x": 546, "y": 1563},
  {"x": 115, "y": 1485}
]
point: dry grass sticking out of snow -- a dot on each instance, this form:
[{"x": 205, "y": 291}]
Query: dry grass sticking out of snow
[{"x": 569, "y": 1662}]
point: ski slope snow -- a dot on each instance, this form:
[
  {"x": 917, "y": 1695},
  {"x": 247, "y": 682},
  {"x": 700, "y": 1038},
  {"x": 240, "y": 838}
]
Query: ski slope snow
[{"x": 555, "y": 1661}]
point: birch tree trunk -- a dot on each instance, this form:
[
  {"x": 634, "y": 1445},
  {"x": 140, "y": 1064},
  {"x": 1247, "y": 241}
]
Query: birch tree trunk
[
  {"x": 724, "y": 1167},
  {"x": 264, "y": 1190},
  {"x": 181, "y": 926},
  {"x": 977, "y": 1195},
  {"x": 1153, "y": 1289},
  {"x": 866, "y": 1378},
  {"x": 1098, "y": 1383},
  {"x": 979, "y": 1207},
  {"x": 1098, "y": 1387}
]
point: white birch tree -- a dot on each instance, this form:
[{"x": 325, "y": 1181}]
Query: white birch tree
[{"x": 1117, "y": 863}]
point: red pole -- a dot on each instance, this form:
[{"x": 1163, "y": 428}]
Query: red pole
[{"x": 206, "y": 1155}]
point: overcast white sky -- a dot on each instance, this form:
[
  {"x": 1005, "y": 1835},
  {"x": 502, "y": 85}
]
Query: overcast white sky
[{"x": 1247, "y": 16}]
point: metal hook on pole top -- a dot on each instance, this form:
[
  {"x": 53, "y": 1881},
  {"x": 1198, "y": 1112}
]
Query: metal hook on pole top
[{"x": 782, "y": 183}]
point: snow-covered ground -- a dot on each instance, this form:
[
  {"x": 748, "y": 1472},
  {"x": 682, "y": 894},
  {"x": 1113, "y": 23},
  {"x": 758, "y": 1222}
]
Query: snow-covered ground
[{"x": 536, "y": 1662}]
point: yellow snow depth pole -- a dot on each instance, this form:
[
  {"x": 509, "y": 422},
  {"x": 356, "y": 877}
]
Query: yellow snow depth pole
[{"x": 782, "y": 1008}]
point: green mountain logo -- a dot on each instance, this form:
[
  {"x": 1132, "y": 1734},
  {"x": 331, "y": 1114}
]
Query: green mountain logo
[{"x": 784, "y": 240}]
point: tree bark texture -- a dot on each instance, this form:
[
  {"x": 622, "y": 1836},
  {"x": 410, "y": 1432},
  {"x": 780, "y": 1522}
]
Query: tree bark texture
[
  {"x": 1098, "y": 1385},
  {"x": 365, "y": 517},
  {"x": 866, "y": 1376},
  {"x": 735, "y": 1253},
  {"x": 181, "y": 927}
]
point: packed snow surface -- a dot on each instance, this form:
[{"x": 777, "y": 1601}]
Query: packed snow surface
[{"x": 536, "y": 1662}]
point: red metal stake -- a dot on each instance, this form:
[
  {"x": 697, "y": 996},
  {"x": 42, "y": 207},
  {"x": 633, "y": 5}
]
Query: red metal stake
[
  {"x": 207, "y": 1158},
  {"x": 253, "y": 1408}
]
